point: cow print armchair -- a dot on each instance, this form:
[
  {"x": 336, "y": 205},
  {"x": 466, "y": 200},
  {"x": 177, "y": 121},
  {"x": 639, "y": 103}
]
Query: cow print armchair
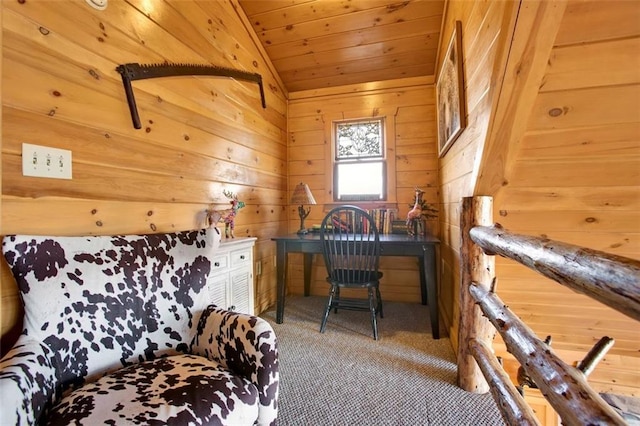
[{"x": 119, "y": 330}]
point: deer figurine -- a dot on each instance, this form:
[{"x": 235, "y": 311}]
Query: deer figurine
[
  {"x": 414, "y": 217},
  {"x": 227, "y": 216}
]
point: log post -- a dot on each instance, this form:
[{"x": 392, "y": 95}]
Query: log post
[
  {"x": 597, "y": 352},
  {"x": 475, "y": 266}
]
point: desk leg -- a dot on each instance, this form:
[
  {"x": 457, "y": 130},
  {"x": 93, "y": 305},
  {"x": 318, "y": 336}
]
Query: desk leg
[
  {"x": 423, "y": 278},
  {"x": 431, "y": 274},
  {"x": 308, "y": 263},
  {"x": 281, "y": 277}
]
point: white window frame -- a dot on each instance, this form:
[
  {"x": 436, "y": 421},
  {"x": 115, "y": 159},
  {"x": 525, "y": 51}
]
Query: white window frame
[
  {"x": 342, "y": 161},
  {"x": 388, "y": 114}
]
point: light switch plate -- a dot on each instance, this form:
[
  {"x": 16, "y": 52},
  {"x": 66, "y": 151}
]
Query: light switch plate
[{"x": 46, "y": 162}]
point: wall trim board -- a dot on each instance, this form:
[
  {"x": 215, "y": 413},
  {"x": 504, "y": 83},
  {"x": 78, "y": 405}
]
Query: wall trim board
[
  {"x": 362, "y": 88},
  {"x": 522, "y": 62}
]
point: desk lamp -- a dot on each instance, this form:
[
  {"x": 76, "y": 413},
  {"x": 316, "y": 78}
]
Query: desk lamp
[{"x": 302, "y": 195}]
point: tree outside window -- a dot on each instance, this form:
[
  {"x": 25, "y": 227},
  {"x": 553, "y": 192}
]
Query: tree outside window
[{"x": 360, "y": 162}]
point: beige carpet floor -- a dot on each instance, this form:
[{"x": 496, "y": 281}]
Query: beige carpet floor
[{"x": 344, "y": 377}]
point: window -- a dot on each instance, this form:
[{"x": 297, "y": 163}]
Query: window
[{"x": 359, "y": 172}]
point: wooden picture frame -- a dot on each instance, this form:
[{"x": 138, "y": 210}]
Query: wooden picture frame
[{"x": 451, "y": 105}]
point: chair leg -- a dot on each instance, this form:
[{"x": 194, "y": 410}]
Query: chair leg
[
  {"x": 327, "y": 309},
  {"x": 372, "y": 308},
  {"x": 337, "y": 298},
  {"x": 379, "y": 302}
]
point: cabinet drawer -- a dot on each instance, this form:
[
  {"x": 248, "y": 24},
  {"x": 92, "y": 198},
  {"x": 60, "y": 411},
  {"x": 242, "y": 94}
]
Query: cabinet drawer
[
  {"x": 240, "y": 257},
  {"x": 219, "y": 263}
]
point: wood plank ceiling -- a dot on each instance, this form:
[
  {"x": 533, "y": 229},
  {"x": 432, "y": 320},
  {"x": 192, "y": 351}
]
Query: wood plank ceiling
[{"x": 325, "y": 43}]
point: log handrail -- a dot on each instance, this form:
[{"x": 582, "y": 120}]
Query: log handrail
[
  {"x": 514, "y": 408},
  {"x": 612, "y": 280},
  {"x": 562, "y": 385},
  {"x": 607, "y": 278}
]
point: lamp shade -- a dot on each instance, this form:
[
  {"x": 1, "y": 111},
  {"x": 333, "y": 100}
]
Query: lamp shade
[{"x": 302, "y": 195}]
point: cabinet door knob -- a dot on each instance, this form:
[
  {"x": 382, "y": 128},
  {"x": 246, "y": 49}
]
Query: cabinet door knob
[
  {"x": 232, "y": 308},
  {"x": 216, "y": 264},
  {"x": 242, "y": 257}
]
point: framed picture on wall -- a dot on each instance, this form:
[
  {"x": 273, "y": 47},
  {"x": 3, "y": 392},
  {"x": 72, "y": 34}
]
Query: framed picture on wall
[{"x": 452, "y": 117}]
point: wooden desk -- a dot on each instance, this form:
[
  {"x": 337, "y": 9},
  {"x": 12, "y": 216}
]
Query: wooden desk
[{"x": 424, "y": 248}]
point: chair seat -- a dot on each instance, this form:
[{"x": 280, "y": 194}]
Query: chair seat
[
  {"x": 351, "y": 304},
  {"x": 354, "y": 278},
  {"x": 181, "y": 389}
]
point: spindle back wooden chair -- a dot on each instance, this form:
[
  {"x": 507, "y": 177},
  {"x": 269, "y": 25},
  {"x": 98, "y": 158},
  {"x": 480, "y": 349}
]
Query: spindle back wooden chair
[{"x": 351, "y": 250}]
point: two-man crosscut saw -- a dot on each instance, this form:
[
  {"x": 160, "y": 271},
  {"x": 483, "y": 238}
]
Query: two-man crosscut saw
[{"x": 134, "y": 71}]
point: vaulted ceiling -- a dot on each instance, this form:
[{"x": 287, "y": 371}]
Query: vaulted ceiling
[{"x": 324, "y": 43}]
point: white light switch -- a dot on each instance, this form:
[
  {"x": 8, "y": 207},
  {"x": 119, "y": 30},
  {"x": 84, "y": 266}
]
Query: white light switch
[{"x": 47, "y": 162}]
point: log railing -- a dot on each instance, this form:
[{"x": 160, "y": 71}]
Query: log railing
[{"x": 612, "y": 280}]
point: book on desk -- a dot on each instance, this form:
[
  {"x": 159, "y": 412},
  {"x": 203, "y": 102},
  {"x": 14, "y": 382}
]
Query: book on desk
[{"x": 384, "y": 218}]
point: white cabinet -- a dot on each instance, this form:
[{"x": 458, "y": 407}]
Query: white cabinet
[{"x": 231, "y": 281}]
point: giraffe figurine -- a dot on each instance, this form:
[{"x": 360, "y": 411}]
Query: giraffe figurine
[{"x": 414, "y": 217}]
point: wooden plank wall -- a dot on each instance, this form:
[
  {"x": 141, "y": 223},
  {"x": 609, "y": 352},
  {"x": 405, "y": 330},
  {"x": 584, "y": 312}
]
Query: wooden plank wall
[
  {"x": 199, "y": 136},
  {"x": 483, "y": 41},
  {"x": 576, "y": 179},
  {"x": 408, "y": 106}
]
